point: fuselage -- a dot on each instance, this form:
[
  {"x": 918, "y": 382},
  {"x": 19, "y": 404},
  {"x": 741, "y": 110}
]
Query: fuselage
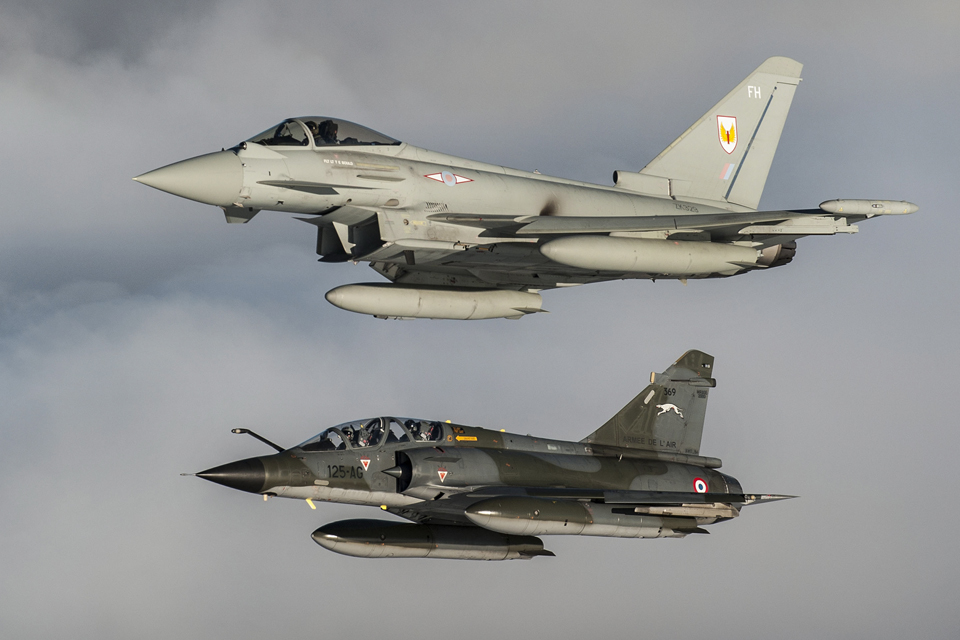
[
  {"x": 412, "y": 208},
  {"x": 398, "y": 206},
  {"x": 397, "y": 178},
  {"x": 475, "y": 493},
  {"x": 399, "y": 468}
]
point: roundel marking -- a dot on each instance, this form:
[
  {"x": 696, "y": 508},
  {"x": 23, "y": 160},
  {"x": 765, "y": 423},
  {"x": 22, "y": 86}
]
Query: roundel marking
[
  {"x": 699, "y": 485},
  {"x": 448, "y": 178}
]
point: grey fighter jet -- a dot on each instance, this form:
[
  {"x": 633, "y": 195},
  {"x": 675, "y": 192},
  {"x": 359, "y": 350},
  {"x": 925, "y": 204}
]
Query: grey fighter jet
[
  {"x": 478, "y": 494},
  {"x": 461, "y": 239}
]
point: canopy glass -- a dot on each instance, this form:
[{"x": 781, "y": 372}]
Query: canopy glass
[
  {"x": 360, "y": 434},
  {"x": 320, "y": 131}
]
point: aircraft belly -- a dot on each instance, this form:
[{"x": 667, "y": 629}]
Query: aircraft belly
[
  {"x": 504, "y": 268},
  {"x": 346, "y": 496}
]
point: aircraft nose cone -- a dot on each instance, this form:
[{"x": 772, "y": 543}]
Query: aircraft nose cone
[
  {"x": 215, "y": 178},
  {"x": 245, "y": 475}
]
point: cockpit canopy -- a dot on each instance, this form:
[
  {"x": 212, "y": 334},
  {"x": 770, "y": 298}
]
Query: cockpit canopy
[
  {"x": 361, "y": 434},
  {"x": 320, "y": 131}
]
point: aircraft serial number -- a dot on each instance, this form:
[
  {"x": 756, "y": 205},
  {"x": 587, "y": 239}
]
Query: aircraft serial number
[
  {"x": 343, "y": 471},
  {"x": 687, "y": 207}
]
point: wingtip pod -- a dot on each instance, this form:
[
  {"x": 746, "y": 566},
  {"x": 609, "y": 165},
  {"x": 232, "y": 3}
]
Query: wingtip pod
[{"x": 869, "y": 207}]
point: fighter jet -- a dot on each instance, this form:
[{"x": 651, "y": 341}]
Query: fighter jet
[
  {"x": 479, "y": 494},
  {"x": 460, "y": 239}
]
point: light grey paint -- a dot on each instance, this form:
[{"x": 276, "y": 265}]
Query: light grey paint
[{"x": 448, "y": 231}]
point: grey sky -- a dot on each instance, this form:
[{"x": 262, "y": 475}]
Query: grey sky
[{"x": 137, "y": 328}]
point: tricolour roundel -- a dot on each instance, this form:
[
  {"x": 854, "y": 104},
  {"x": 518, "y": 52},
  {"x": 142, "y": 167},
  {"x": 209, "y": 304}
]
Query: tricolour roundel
[
  {"x": 448, "y": 178},
  {"x": 699, "y": 485}
]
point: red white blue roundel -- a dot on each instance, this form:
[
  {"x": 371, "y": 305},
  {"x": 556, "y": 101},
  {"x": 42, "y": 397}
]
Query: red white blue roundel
[
  {"x": 448, "y": 178},
  {"x": 699, "y": 485}
]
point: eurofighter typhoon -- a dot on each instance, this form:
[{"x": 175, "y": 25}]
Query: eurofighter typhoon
[
  {"x": 460, "y": 239},
  {"x": 479, "y": 494}
]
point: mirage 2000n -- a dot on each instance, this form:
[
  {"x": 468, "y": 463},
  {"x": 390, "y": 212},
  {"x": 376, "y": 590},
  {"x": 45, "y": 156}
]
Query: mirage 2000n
[
  {"x": 461, "y": 239},
  {"x": 479, "y": 494}
]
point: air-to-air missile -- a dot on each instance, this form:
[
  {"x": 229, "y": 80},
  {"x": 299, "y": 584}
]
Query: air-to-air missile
[
  {"x": 479, "y": 494},
  {"x": 461, "y": 239}
]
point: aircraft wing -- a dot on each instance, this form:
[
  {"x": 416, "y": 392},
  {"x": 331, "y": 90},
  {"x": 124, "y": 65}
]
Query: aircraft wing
[
  {"x": 762, "y": 227},
  {"x": 644, "y": 498},
  {"x": 563, "y": 225},
  {"x": 451, "y": 508}
]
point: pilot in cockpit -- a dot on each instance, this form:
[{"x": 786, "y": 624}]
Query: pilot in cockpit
[
  {"x": 362, "y": 437},
  {"x": 414, "y": 428},
  {"x": 421, "y": 431},
  {"x": 325, "y": 133}
]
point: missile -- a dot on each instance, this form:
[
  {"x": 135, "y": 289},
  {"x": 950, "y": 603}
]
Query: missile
[
  {"x": 385, "y": 539},
  {"x": 642, "y": 255},
  {"x": 868, "y": 208},
  {"x": 537, "y": 516},
  {"x": 397, "y": 301}
]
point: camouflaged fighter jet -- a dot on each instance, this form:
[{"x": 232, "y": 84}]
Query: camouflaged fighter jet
[
  {"x": 479, "y": 494},
  {"x": 460, "y": 239}
]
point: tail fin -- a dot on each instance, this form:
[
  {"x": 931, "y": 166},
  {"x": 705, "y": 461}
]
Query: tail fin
[
  {"x": 726, "y": 154},
  {"x": 668, "y": 414}
]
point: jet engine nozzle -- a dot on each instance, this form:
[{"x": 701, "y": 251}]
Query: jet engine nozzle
[
  {"x": 214, "y": 178},
  {"x": 246, "y": 475}
]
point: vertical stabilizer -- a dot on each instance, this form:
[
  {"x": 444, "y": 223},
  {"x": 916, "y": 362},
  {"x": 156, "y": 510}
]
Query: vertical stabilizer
[
  {"x": 726, "y": 155},
  {"x": 668, "y": 414}
]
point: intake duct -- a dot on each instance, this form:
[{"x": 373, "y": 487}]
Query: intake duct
[{"x": 403, "y": 472}]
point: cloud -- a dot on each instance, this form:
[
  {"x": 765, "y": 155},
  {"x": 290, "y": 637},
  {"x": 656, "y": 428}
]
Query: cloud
[
  {"x": 136, "y": 328},
  {"x": 92, "y": 29}
]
